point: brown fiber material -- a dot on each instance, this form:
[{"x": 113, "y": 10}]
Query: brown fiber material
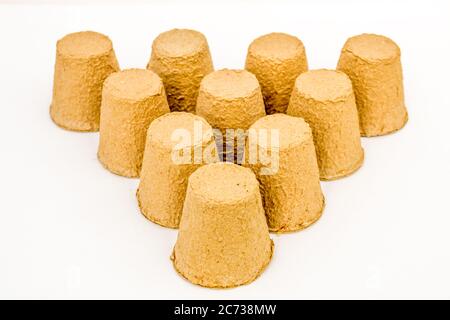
[
  {"x": 276, "y": 59},
  {"x": 324, "y": 98},
  {"x": 83, "y": 61},
  {"x": 132, "y": 99},
  {"x": 223, "y": 239},
  {"x": 163, "y": 182},
  {"x": 373, "y": 64},
  {"x": 292, "y": 196},
  {"x": 181, "y": 57},
  {"x": 230, "y": 99}
]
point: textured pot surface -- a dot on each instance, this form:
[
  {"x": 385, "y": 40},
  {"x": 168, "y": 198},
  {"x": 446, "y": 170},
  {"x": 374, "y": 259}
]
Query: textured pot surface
[
  {"x": 132, "y": 99},
  {"x": 223, "y": 239},
  {"x": 177, "y": 144},
  {"x": 324, "y": 99},
  {"x": 230, "y": 99},
  {"x": 83, "y": 61},
  {"x": 181, "y": 58},
  {"x": 290, "y": 188},
  {"x": 276, "y": 59},
  {"x": 373, "y": 64}
]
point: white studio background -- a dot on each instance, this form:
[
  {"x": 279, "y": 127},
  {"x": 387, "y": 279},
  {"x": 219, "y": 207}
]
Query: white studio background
[{"x": 70, "y": 229}]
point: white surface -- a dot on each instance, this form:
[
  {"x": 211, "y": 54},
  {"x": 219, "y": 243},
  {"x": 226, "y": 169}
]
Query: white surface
[{"x": 70, "y": 229}]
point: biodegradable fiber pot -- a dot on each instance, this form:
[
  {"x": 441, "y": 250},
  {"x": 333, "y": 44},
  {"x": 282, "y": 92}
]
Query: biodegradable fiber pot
[
  {"x": 181, "y": 58},
  {"x": 276, "y": 59},
  {"x": 132, "y": 99},
  {"x": 83, "y": 61},
  {"x": 324, "y": 99},
  {"x": 373, "y": 64},
  {"x": 230, "y": 99},
  {"x": 177, "y": 144},
  {"x": 290, "y": 188},
  {"x": 223, "y": 239}
]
